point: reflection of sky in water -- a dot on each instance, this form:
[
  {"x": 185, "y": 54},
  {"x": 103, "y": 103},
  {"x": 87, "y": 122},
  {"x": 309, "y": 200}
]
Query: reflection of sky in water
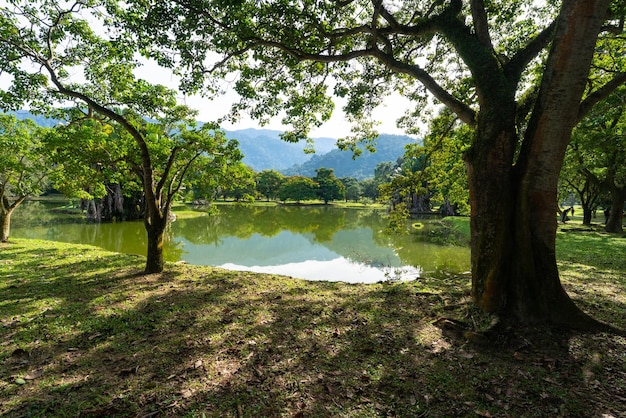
[
  {"x": 339, "y": 269},
  {"x": 355, "y": 260}
]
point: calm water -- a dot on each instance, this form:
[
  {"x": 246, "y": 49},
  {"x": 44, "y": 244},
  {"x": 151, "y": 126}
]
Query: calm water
[{"x": 315, "y": 243}]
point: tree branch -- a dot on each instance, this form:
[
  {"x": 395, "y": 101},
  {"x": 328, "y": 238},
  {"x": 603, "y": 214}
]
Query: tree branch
[
  {"x": 168, "y": 167},
  {"x": 479, "y": 16},
  {"x": 600, "y": 94},
  {"x": 516, "y": 65},
  {"x": 463, "y": 111}
]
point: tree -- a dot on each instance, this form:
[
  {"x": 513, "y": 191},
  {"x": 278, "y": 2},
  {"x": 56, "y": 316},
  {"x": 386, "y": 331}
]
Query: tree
[
  {"x": 298, "y": 188},
  {"x": 241, "y": 184},
  {"x": 580, "y": 176},
  {"x": 369, "y": 189},
  {"x": 23, "y": 167},
  {"x": 268, "y": 183},
  {"x": 598, "y": 154},
  {"x": 92, "y": 166},
  {"x": 433, "y": 173},
  {"x": 329, "y": 187},
  {"x": 517, "y": 74},
  {"x": 576, "y": 178},
  {"x": 353, "y": 188},
  {"x": 54, "y": 57}
]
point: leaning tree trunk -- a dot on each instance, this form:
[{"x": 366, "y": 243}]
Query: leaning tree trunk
[{"x": 514, "y": 270}]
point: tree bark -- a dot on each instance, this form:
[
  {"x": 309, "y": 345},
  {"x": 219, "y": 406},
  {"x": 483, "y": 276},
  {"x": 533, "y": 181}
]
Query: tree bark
[
  {"x": 155, "y": 227},
  {"x": 587, "y": 214},
  {"x": 614, "y": 223},
  {"x": 514, "y": 207},
  {"x": 6, "y": 210},
  {"x": 5, "y": 224}
]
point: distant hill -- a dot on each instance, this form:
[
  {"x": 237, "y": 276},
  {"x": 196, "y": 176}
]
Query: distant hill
[
  {"x": 263, "y": 149},
  {"x": 388, "y": 148},
  {"x": 38, "y": 119}
]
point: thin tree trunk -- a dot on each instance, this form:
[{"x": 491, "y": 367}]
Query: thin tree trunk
[
  {"x": 5, "y": 223},
  {"x": 587, "y": 214},
  {"x": 614, "y": 224},
  {"x": 6, "y": 210},
  {"x": 156, "y": 231}
]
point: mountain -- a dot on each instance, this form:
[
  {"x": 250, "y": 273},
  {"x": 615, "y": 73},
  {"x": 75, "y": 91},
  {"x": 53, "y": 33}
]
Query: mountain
[
  {"x": 263, "y": 149},
  {"x": 388, "y": 148},
  {"x": 38, "y": 119}
]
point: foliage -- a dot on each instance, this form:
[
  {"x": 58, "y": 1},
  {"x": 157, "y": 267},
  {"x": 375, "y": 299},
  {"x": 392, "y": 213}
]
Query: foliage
[
  {"x": 298, "y": 188},
  {"x": 23, "y": 166},
  {"x": 238, "y": 182},
  {"x": 353, "y": 188},
  {"x": 329, "y": 187},
  {"x": 433, "y": 174},
  {"x": 88, "y": 155},
  {"x": 268, "y": 183}
]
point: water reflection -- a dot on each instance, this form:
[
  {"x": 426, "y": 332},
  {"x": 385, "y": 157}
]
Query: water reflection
[{"x": 315, "y": 243}]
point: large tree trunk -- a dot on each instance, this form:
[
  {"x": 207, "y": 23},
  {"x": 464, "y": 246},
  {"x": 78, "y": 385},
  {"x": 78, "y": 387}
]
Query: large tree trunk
[{"x": 514, "y": 270}]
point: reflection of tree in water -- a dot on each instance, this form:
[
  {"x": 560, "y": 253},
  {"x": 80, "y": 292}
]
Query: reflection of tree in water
[
  {"x": 32, "y": 213},
  {"x": 244, "y": 222},
  {"x": 434, "y": 259},
  {"x": 52, "y": 221}
]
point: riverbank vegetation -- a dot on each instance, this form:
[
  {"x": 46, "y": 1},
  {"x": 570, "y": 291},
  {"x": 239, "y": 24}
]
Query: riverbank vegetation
[{"x": 84, "y": 332}]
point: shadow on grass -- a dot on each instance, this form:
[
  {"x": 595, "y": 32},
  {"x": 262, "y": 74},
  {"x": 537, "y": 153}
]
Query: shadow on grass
[{"x": 91, "y": 337}]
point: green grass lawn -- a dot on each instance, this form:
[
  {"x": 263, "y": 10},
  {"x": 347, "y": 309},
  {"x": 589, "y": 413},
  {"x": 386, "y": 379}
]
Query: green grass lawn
[{"x": 85, "y": 333}]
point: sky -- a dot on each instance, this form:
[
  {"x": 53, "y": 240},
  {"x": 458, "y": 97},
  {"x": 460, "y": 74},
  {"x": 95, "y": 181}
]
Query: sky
[{"x": 336, "y": 127}]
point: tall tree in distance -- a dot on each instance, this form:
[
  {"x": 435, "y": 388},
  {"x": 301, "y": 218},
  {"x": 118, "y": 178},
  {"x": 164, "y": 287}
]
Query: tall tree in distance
[
  {"x": 517, "y": 73},
  {"x": 268, "y": 183},
  {"x": 329, "y": 186}
]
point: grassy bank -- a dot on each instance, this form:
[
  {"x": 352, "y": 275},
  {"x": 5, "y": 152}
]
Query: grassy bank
[{"x": 84, "y": 333}]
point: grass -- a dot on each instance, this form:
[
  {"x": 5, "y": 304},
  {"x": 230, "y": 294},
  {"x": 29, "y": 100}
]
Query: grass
[{"x": 84, "y": 333}]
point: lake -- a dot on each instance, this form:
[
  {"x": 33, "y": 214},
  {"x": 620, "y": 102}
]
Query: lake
[{"x": 308, "y": 242}]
